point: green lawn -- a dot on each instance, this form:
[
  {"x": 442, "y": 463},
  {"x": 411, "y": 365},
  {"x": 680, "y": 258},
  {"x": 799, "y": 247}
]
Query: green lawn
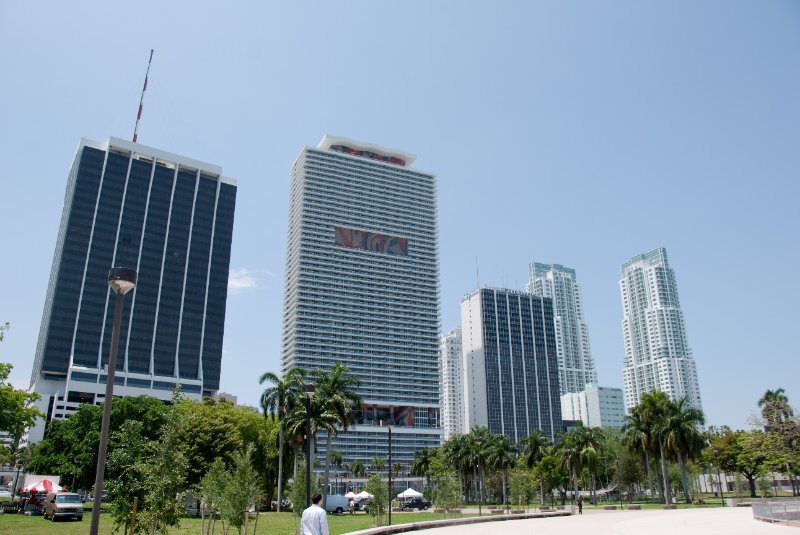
[{"x": 268, "y": 524}]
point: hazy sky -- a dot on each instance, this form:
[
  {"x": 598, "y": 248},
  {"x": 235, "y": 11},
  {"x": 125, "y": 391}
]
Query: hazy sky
[{"x": 579, "y": 133}]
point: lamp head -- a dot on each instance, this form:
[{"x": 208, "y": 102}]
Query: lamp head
[
  {"x": 308, "y": 390},
  {"x": 122, "y": 280}
]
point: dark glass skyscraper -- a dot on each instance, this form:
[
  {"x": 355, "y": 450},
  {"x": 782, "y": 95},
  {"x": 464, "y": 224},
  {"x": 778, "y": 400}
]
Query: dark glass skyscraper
[
  {"x": 510, "y": 363},
  {"x": 168, "y": 217}
]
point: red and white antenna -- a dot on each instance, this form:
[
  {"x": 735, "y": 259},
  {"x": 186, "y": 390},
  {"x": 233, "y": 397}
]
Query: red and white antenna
[{"x": 141, "y": 99}]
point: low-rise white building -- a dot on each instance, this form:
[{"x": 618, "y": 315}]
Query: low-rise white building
[{"x": 595, "y": 406}]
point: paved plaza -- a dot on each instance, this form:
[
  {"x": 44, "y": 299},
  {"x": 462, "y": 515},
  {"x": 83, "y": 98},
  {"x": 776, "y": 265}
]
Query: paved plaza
[{"x": 721, "y": 521}]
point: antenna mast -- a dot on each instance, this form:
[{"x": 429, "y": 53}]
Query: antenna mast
[{"x": 141, "y": 99}]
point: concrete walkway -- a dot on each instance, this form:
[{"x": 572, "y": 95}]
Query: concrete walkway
[{"x": 721, "y": 521}]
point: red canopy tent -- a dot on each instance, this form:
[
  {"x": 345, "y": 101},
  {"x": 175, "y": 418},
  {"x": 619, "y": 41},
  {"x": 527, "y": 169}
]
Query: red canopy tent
[{"x": 44, "y": 485}]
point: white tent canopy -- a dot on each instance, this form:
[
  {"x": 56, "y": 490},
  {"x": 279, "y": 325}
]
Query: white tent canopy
[
  {"x": 350, "y": 495},
  {"x": 363, "y": 495},
  {"x": 409, "y": 493}
]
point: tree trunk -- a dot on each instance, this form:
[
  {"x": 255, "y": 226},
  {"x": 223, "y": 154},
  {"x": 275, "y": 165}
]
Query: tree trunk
[
  {"x": 575, "y": 483},
  {"x": 649, "y": 472},
  {"x": 684, "y": 478},
  {"x": 280, "y": 464},
  {"x": 751, "y": 480},
  {"x": 667, "y": 489},
  {"x": 659, "y": 482},
  {"x": 505, "y": 493},
  {"x": 295, "y": 464},
  {"x": 328, "y": 440},
  {"x": 541, "y": 492}
]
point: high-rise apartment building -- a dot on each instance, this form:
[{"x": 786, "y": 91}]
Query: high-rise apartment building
[
  {"x": 362, "y": 288},
  {"x": 657, "y": 354},
  {"x": 510, "y": 364},
  {"x": 168, "y": 217},
  {"x": 595, "y": 406},
  {"x": 451, "y": 364},
  {"x": 575, "y": 364}
]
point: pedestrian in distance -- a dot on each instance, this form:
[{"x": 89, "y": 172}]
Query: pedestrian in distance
[
  {"x": 315, "y": 519},
  {"x": 580, "y": 504}
]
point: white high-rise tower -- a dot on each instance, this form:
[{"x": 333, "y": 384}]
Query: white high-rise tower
[
  {"x": 657, "y": 354},
  {"x": 451, "y": 362},
  {"x": 575, "y": 364}
]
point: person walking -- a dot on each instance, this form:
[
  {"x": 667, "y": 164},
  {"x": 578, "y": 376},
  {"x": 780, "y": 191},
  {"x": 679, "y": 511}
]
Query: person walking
[
  {"x": 580, "y": 504},
  {"x": 315, "y": 519}
]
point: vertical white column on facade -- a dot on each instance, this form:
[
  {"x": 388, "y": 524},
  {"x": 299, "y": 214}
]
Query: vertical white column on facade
[
  {"x": 185, "y": 275},
  {"x": 499, "y": 369},
  {"x": 511, "y": 365},
  {"x": 547, "y": 366},
  {"x": 139, "y": 256},
  {"x": 114, "y": 261},
  {"x": 161, "y": 276},
  {"x": 88, "y": 254},
  {"x": 208, "y": 280},
  {"x": 536, "y": 367},
  {"x": 524, "y": 367}
]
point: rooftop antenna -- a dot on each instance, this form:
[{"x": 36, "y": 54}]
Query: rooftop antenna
[
  {"x": 477, "y": 278},
  {"x": 141, "y": 99}
]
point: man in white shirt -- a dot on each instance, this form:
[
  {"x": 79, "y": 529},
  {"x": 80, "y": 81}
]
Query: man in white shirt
[{"x": 315, "y": 519}]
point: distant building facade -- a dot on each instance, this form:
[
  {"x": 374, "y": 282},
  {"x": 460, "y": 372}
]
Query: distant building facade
[
  {"x": 452, "y": 368},
  {"x": 171, "y": 219},
  {"x": 510, "y": 363},
  {"x": 362, "y": 288},
  {"x": 657, "y": 353},
  {"x": 575, "y": 365},
  {"x": 595, "y": 406}
]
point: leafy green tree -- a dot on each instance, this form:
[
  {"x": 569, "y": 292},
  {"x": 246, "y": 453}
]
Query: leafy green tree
[
  {"x": 70, "y": 446},
  {"x": 212, "y": 488},
  {"x": 376, "y": 505},
  {"x": 128, "y": 481},
  {"x": 164, "y": 476},
  {"x": 738, "y": 451},
  {"x": 520, "y": 484},
  {"x": 297, "y": 490},
  {"x": 551, "y": 473},
  {"x": 277, "y": 401},
  {"x": 17, "y": 409},
  {"x": 655, "y": 408},
  {"x": 240, "y": 490},
  {"x": 447, "y": 494},
  {"x": 357, "y": 468}
]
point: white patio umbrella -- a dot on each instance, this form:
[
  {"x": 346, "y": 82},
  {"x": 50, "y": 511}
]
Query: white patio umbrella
[
  {"x": 363, "y": 495},
  {"x": 409, "y": 493},
  {"x": 350, "y": 495}
]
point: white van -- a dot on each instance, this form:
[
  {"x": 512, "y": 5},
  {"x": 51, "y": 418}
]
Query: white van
[{"x": 336, "y": 503}]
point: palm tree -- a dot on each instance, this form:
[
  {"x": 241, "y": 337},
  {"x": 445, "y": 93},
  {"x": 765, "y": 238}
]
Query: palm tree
[
  {"x": 277, "y": 401},
  {"x": 377, "y": 464},
  {"x": 421, "y": 465},
  {"x": 457, "y": 453},
  {"x": 682, "y": 436},
  {"x": 357, "y": 468},
  {"x": 532, "y": 449},
  {"x": 501, "y": 455},
  {"x": 775, "y": 408},
  {"x": 655, "y": 409},
  {"x": 579, "y": 449},
  {"x": 637, "y": 438},
  {"x": 335, "y": 392}
]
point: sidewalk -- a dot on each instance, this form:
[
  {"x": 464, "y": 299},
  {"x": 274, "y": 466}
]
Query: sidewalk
[{"x": 717, "y": 521}]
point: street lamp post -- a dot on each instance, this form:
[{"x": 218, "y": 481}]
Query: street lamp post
[
  {"x": 721, "y": 492},
  {"x": 122, "y": 281},
  {"x": 308, "y": 391},
  {"x": 389, "y": 427},
  {"x": 480, "y": 482}
]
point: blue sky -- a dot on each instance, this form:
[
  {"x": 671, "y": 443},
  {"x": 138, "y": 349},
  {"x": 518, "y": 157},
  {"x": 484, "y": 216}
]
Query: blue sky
[{"x": 579, "y": 133}]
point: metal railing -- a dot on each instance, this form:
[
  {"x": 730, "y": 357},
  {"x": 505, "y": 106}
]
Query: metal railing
[{"x": 771, "y": 510}]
